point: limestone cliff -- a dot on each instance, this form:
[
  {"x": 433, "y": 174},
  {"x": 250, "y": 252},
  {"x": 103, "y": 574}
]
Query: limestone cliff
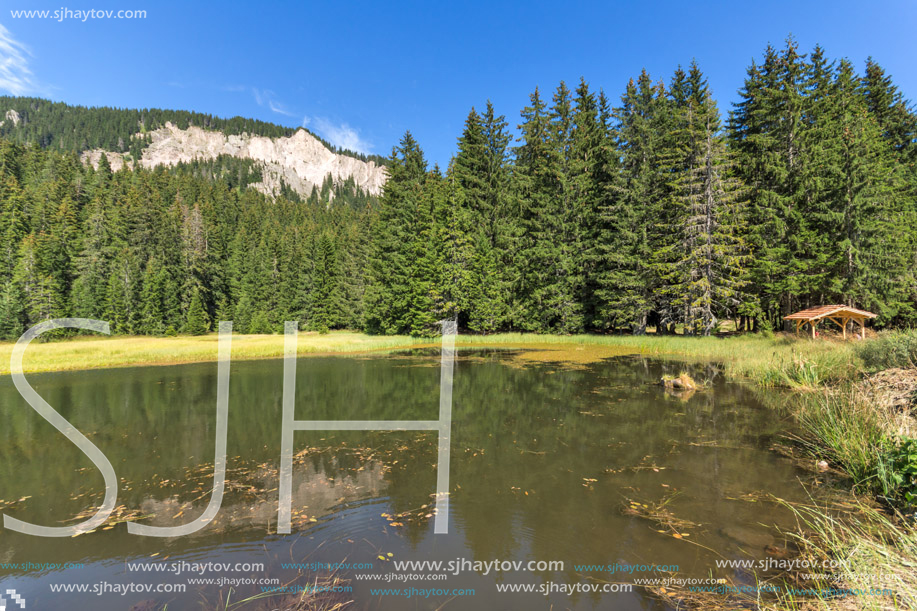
[
  {"x": 300, "y": 160},
  {"x": 11, "y": 115}
]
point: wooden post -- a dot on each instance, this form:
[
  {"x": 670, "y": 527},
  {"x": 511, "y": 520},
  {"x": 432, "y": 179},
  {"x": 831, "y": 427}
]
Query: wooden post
[
  {"x": 812, "y": 324},
  {"x": 844, "y": 320},
  {"x": 862, "y": 328}
]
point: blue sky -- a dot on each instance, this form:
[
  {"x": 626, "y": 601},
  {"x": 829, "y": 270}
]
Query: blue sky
[{"x": 360, "y": 74}]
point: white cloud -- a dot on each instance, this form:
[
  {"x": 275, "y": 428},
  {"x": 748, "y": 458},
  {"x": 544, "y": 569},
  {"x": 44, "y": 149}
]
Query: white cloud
[
  {"x": 265, "y": 97},
  {"x": 15, "y": 76},
  {"x": 340, "y": 135},
  {"x": 279, "y": 109}
]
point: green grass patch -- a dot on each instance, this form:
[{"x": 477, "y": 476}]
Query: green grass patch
[
  {"x": 888, "y": 350},
  {"x": 844, "y": 427}
]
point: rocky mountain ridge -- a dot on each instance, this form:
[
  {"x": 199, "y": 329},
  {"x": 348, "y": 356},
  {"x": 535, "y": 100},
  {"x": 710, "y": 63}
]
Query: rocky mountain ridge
[{"x": 300, "y": 161}]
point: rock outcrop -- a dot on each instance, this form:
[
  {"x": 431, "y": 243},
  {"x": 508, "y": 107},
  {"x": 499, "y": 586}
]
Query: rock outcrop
[
  {"x": 11, "y": 115},
  {"x": 301, "y": 161}
]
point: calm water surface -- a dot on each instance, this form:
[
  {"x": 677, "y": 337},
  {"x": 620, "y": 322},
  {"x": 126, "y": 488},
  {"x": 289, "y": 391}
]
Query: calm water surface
[{"x": 546, "y": 461}]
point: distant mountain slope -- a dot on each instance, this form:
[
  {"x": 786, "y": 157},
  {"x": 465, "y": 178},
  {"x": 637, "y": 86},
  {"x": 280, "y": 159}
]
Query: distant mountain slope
[
  {"x": 299, "y": 161},
  {"x": 289, "y": 157}
]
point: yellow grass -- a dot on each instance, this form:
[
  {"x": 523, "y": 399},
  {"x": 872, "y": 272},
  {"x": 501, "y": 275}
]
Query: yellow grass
[
  {"x": 771, "y": 361},
  {"x": 785, "y": 360},
  {"x": 101, "y": 352}
]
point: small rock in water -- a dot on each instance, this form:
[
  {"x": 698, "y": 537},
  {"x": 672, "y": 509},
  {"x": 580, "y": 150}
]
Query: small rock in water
[
  {"x": 776, "y": 552},
  {"x": 748, "y": 537},
  {"x": 822, "y": 465},
  {"x": 682, "y": 382}
]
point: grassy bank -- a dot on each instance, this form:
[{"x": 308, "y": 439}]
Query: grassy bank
[
  {"x": 101, "y": 352},
  {"x": 865, "y": 428},
  {"x": 768, "y": 361},
  {"x": 874, "y": 551}
]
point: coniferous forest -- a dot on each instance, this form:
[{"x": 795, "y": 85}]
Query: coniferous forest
[
  {"x": 650, "y": 209},
  {"x": 64, "y": 127}
]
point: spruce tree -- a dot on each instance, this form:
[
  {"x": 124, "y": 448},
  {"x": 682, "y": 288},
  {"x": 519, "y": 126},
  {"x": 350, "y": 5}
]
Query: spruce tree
[
  {"x": 897, "y": 122},
  {"x": 153, "y": 289},
  {"x": 869, "y": 259},
  {"x": 893, "y": 114},
  {"x": 324, "y": 295},
  {"x": 398, "y": 287},
  {"x": 261, "y": 323},
  {"x": 12, "y": 223},
  {"x": 482, "y": 174},
  {"x": 534, "y": 186},
  {"x": 550, "y": 279},
  {"x": 591, "y": 185},
  {"x": 12, "y": 313},
  {"x": 626, "y": 287},
  {"x": 769, "y": 133},
  {"x": 197, "y": 322},
  {"x": 702, "y": 264}
]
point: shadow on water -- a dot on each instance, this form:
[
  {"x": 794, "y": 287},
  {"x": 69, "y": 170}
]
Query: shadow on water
[{"x": 554, "y": 457}]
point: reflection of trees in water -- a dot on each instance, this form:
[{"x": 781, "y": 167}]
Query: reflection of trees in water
[
  {"x": 540, "y": 429},
  {"x": 253, "y": 505}
]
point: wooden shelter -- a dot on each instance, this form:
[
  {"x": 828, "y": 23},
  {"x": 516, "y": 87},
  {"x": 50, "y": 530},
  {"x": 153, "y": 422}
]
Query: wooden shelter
[{"x": 840, "y": 314}]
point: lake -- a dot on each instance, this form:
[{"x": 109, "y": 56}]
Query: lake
[{"x": 580, "y": 461}]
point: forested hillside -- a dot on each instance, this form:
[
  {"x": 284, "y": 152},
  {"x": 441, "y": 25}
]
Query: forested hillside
[
  {"x": 173, "y": 250},
  {"x": 78, "y": 128},
  {"x": 601, "y": 216}
]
